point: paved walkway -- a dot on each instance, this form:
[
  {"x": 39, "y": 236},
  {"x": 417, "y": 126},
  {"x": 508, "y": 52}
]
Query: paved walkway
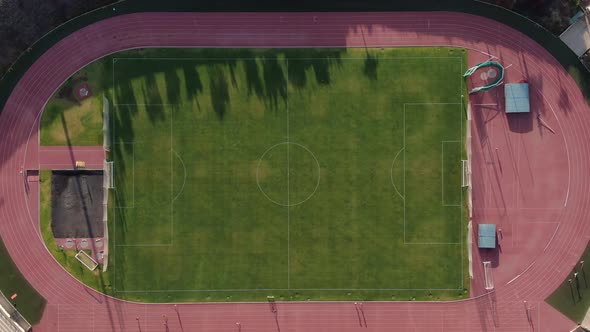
[
  {"x": 535, "y": 186},
  {"x": 65, "y": 157}
]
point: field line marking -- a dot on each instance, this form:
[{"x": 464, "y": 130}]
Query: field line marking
[
  {"x": 463, "y": 147},
  {"x": 314, "y": 158},
  {"x": 396, "y": 190},
  {"x": 285, "y": 289},
  {"x": 404, "y": 148},
  {"x": 145, "y": 245},
  {"x": 521, "y": 273},
  {"x": 391, "y": 174},
  {"x": 433, "y": 243},
  {"x": 113, "y": 79},
  {"x": 184, "y": 181},
  {"x": 133, "y": 173},
  {"x": 567, "y": 152},
  {"x": 442, "y": 172},
  {"x": 442, "y": 167},
  {"x": 130, "y": 206},
  {"x": 136, "y": 104},
  {"x": 288, "y": 184},
  {"x": 292, "y": 59},
  {"x": 552, "y": 236},
  {"x": 404, "y": 170},
  {"x": 457, "y": 205},
  {"x": 113, "y": 142},
  {"x": 172, "y": 178},
  {"x": 430, "y": 104}
]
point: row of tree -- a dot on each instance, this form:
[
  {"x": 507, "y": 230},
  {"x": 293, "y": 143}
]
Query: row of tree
[
  {"x": 554, "y": 15},
  {"x": 22, "y": 22}
]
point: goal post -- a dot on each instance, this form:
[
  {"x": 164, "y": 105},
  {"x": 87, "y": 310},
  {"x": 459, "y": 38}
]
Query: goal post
[
  {"x": 109, "y": 177},
  {"x": 489, "y": 278},
  {"x": 465, "y": 173}
]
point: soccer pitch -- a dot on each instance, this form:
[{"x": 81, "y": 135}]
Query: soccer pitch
[{"x": 322, "y": 174}]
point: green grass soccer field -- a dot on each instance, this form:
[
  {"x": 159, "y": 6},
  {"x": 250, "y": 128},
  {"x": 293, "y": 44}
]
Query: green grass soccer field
[{"x": 323, "y": 174}]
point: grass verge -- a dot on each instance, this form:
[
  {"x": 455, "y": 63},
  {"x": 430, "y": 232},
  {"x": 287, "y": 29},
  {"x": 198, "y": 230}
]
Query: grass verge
[
  {"x": 68, "y": 122},
  {"x": 574, "y": 300},
  {"x": 29, "y": 303},
  {"x": 95, "y": 279},
  {"x": 197, "y": 139}
]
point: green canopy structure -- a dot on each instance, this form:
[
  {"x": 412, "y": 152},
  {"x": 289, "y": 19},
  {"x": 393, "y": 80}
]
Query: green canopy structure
[{"x": 490, "y": 85}]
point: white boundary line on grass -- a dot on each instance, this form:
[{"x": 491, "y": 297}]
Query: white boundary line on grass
[
  {"x": 113, "y": 142},
  {"x": 314, "y": 158},
  {"x": 404, "y": 148},
  {"x": 442, "y": 167},
  {"x": 146, "y": 104},
  {"x": 463, "y": 136},
  {"x": 172, "y": 177},
  {"x": 288, "y": 194},
  {"x": 306, "y": 58},
  {"x": 391, "y": 174},
  {"x": 288, "y": 47},
  {"x": 432, "y": 243},
  {"x": 460, "y": 103},
  {"x": 287, "y": 289},
  {"x": 185, "y": 175},
  {"x": 289, "y": 184},
  {"x": 132, "y": 206}
]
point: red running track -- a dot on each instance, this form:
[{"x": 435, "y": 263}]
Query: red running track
[
  {"x": 534, "y": 185},
  {"x": 65, "y": 157}
]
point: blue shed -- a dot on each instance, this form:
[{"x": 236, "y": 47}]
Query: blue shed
[
  {"x": 486, "y": 236},
  {"x": 517, "y": 98}
]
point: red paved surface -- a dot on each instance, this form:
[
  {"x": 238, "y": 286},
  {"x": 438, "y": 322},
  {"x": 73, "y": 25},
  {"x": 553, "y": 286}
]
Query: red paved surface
[
  {"x": 65, "y": 157},
  {"x": 534, "y": 186}
]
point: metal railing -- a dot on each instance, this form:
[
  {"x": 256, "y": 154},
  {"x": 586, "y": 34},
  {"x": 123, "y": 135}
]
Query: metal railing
[{"x": 13, "y": 317}]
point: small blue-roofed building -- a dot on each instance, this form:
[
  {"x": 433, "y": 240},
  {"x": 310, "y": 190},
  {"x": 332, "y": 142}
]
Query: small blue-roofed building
[
  {"x": 517, "y": 98},
  {"x": 486, "y": 236}
]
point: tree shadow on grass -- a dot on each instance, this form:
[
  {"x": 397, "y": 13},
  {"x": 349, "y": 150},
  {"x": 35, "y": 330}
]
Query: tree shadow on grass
[
  {"x": 152, "y": 97},
  {"x": 275, "y": 88},
  {"x": 319, "y": 61},
  {"x": 370, "y": 66},
  {"x": 253, "y": 80},
  {"x": 172, "y": 82},
  {"x": 219, "y": 91},
  {"x": 192, "y": 80},
  {"x": 122, "y": 114}
]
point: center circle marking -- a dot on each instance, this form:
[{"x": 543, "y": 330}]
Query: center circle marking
[{"x": 287, "y": 202}]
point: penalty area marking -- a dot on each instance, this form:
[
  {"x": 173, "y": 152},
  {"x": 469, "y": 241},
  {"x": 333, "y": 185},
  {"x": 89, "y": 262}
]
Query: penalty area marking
[
  {"x": 317, "y": 185},
  {"x": 404, "y": 178}
]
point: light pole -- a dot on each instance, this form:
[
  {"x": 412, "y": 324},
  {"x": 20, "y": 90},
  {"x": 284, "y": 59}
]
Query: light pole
[
  {"x": 578, "y": 285},
  {"x": 569, "y": 281},
  {"x": 583, "y": 273}
]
